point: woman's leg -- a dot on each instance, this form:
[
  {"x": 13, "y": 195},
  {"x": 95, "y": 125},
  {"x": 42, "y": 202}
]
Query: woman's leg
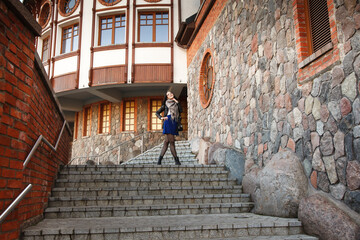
[
  {"x": 171, "y": 139},
  {"x": 172, "y": 148},
  {"x": 163, "y": 150}
]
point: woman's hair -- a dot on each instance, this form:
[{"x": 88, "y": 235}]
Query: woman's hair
[{"x": 165, "y": 97}]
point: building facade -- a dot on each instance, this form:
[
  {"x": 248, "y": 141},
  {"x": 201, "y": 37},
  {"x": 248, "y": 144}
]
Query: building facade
[
  {"x": 269, "y": 75},
  {"x": 110, "y": 64}
]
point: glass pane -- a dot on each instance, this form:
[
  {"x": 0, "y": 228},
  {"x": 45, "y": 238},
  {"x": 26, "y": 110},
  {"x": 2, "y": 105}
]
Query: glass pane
[
  {"x": 119, "y": 35},
  {"x": 158, "y": 21},
  {"x": 105, "y": 37},
  {"x": 75, "y": 43},
  {"x": 209, "y": 78},
  {"x": 132, "y": 128},
  {"x": 103, "y": 21},
  {"x": 162, "y": 34},
  {"x": 66, "y": 45}
]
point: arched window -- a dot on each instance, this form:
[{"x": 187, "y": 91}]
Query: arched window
[
  {"x": 207, "y": 79},
  {"x": 67, "y": 7},
  {"x": 109, "y": 2},
  {"x": 44, "y": 15}
]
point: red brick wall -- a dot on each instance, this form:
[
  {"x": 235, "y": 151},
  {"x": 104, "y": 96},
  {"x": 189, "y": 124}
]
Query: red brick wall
[
  {"x": 27, "y": 110},
  {"x": 205, "y": 28}
]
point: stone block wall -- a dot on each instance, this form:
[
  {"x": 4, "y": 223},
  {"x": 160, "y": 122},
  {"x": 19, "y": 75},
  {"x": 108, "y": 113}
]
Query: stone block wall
[
  {"x": 106, "y": 145},
  {"x": 28, "y": 109},
  {"x": 263, "y": 102}
]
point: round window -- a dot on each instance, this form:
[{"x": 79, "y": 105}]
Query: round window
[
  {"x": 109, "y": 2},
  {"x": 67, "y": 7},
  {"x": 44, "y": 15},
  {"x": 207, "y": 79}
]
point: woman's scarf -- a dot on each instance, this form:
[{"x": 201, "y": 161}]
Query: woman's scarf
[{"x": 173, "y": 109}]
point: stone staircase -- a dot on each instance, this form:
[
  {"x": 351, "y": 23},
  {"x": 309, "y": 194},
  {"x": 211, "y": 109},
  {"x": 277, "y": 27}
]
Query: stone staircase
[
  {"x": 141, "y": 200},
  {"x": 151, "y": 156}
]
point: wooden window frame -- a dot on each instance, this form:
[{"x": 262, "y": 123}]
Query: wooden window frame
[
  {"x": 76, "y": 126},
  {"x": 61, "y": 6},
  {"x": 109, "y": 4},
  {"x": 86, "y": 126},
  {"x": 204, "y": 100},
  {"x": 150, "y": 113},
  {"x": 100, "y": 118},
  {"x": 47, "y": 49},
  {"x": 43, "y": 22},
  {"x": 113, "y": 28},
  {"x": 309, "y": 30},
  {"x": 72, "y": 37},
  {"x": 153, "y": 24},
  {"x": 123, "y": 120}
]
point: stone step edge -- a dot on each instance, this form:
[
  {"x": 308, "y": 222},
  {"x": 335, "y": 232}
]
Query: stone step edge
[
  {"x": 284, "y": 237},
  {"x": 125, "y": 166},
  {"x": 72, "y": 231},
  {"x": 150, "y": 197},
  {"x": 143, "y": 172},
  {"x": 149, "y": 207},
  {"x": 56, "y": 189},
  {"x": 112, "y": 180}
]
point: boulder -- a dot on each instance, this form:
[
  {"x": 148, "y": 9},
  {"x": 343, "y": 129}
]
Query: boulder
[
  {"x": 322, "y": 218},
  {"x": 235, "y": 163},
  {"x": 250, "y": 183},
  {"x": 282, "y": 184},
  {"x": 219, "y": 156},
  {"x": 195, "y": 144},
  {"x": 211, "y": 153},
  {"x": 203, "y": 151}
]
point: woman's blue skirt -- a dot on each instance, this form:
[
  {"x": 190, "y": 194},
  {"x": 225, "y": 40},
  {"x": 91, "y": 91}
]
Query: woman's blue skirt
[{"x": 170, "y": 126}]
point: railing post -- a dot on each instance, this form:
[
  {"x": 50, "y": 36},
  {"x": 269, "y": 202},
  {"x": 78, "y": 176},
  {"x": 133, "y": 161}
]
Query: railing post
[
  {"x": 119, "y": 157},
  {"x": 142, "y": 143}
]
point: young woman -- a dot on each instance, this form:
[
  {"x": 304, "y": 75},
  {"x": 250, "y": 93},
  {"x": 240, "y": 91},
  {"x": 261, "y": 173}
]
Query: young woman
[{"x": 172, "y": 110}]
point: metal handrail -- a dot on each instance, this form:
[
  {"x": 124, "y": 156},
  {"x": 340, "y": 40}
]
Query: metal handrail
[
  {"x": 120, "y": 144},
  {"x": 36, "y": 145},
  {"x": 10, "y": 208}
]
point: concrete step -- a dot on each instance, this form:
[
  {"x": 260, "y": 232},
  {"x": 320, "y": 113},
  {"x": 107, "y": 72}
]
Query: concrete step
[
  {"x": 165, "y": 161},
  {"x": 146, "y": 182},
  {"x": 292, "y": 237},
  {"x": 144, "y": 175},
  {"x": 136, "y": 191},
  {"x": 147, "y": 200},
  {"x": 146, "y": 210},
  {"x": 202, "y": 226},
  {"x": 133, "y": 168}
]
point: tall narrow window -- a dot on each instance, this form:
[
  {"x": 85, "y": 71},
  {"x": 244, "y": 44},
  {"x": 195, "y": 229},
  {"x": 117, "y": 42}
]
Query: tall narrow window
[
  {"x": 319, "y": 25},
  {"x": 129, "y": 116},
  {"x": 112, "y": 30},
  {"x": 154, "y": 27},
  {"x": 70, "y": 39},
  {"x": 87, "y": 121},
  {"x": 155, "y": 122},
  {"x": 104, "y": 119},
  {"x": 45, "y": 50}
]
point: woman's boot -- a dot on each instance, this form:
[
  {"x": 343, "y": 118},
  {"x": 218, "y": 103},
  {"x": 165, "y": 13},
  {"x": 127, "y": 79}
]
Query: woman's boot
[
  {"x": 159, "y": 160},
  {"x": 177, "y": 162}
]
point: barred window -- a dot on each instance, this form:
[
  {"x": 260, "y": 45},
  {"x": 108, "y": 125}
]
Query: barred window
[
  {"x": 129, "y": 116},
  {"x": 104, "y": 121},
  {"x": 155, "y": 122}
]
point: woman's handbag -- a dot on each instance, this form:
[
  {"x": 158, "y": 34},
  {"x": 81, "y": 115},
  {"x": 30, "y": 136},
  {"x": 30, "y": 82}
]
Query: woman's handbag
[{"x": 180, "y": 127}]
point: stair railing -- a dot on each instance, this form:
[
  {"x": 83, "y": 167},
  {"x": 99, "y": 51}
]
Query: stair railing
[
  {"x": 119, "y": 146},
  {"x": 12, "y": 206}
]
